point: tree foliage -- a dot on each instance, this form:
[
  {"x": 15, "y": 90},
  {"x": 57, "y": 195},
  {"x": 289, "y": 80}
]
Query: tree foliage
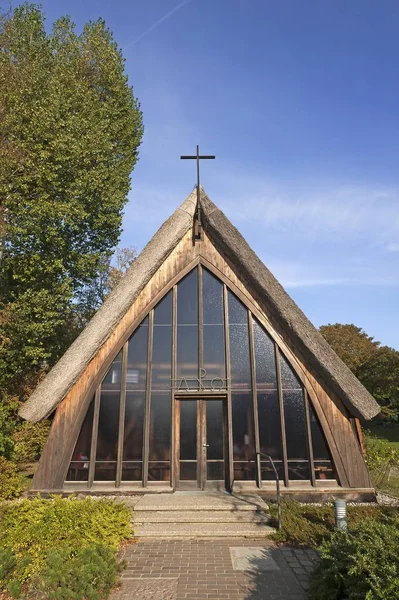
[
  {"x": 351, "y": 343},
  {"x": 109, "y": 274},
  {"x": 70, "y": 128},
  {"x": 380, "y": 375}
]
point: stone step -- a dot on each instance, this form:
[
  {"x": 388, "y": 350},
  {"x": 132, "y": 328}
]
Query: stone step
[
  {"x": 199, "y": 501},
  {"x": 198, "y": 530},
  {"x": 200, "y": 516}
]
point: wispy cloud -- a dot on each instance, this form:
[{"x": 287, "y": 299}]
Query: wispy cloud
[
  {"x": 156, "y": 24},
  {"x": 315, "y": 211}
]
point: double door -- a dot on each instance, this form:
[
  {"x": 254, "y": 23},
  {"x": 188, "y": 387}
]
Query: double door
[{"x": 201, "y": 444}]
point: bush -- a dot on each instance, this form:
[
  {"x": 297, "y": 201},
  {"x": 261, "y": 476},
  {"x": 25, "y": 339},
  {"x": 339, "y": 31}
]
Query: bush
[
  {"x": 303, "y": 524},
  {"x": 309, "y": 525},
  {"x": 379, "y": 453},
  {"x": 29, "y": 439},
  {"x": 34, "y": 529},
  {"x": 11, "y": 482},
  {"x": 361, "y": 564}
]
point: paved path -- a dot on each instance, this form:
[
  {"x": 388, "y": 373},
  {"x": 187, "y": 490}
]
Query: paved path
[{"x": 210, "y": 569}]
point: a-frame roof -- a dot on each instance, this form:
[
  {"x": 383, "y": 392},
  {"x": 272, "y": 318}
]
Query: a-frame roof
[{"x": 252, "y": 272}]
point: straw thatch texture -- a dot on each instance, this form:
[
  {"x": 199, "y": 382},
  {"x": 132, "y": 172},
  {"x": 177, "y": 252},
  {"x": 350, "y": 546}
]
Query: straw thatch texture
[{"x": 269, "y": 293}]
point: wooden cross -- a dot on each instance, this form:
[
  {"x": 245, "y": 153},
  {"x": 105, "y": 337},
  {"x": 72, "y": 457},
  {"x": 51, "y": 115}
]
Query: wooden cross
[{"x": 198, "y": 157}]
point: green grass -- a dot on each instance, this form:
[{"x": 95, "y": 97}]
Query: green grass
[{"x": 386, "y": 431}]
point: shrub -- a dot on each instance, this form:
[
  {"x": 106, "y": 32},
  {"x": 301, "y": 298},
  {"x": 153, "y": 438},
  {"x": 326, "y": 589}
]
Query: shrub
[
  {"x": 11, "y": 482},
  {"x": 380, "y": 453},
  {"x": 88, "y": 574},
  {"x": 29, "y": 440},
  {"x": 309, "y": 525},
  {"x": 33, "y": 528},
  {"x": 361, "y": 564}
]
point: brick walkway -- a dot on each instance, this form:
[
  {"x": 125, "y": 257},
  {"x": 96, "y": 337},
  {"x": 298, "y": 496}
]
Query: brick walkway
[{"x": 211, "y": 569}]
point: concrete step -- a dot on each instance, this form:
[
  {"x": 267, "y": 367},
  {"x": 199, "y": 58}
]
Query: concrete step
[
  {"x": 200, "y": 516},
  {"x": 191, "y": 530},
  {"x": 198, "y": 501}
]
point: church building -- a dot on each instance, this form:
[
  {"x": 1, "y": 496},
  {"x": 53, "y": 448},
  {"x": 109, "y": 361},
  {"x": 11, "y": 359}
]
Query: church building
[{"x": 200, "y": 372}]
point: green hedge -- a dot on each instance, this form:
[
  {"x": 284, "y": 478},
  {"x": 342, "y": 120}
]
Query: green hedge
[
  {"x": 12, "y": 483},
  {"x": 361, "y": 564},
  {"x": 309, "y": 525},
  {"x": 46, "y": 545}
]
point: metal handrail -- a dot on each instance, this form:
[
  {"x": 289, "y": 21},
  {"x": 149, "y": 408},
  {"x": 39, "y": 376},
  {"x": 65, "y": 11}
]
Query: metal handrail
[{"x": 258, "y": 456}]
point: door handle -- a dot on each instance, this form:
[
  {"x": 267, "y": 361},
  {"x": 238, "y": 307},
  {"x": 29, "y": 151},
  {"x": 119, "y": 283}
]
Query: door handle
[{"x": 205, "y": 445}]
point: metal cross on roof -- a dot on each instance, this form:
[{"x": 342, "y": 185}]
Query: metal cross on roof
[{"x": 198, "y": 157}]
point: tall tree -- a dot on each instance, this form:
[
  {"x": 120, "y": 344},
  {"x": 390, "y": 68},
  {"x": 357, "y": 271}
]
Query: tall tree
[
  {"x": 351, "y": 343},
  {"x": 70, "y": 129},
  {"x": 380, "y": 375}
]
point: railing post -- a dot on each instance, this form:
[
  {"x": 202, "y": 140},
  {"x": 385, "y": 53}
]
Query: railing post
[{"x": 258, "y": 467}]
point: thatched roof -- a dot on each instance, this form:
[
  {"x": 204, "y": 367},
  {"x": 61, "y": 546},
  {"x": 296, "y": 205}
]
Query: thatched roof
[{"x": 269, "y": 293}]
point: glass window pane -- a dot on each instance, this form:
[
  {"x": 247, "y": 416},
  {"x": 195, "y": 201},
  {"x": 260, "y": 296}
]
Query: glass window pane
[
  {"x": 243, "y": 436},
  {"x": 159, "y": 471},
  {"x": 214, "y": 430},
  {"x": 323, "y": 464},
  {"x": 107, "y": 439},
  {"x": 239, "y": 357},
  {"x": 113, "y": 377},
  {"x": 296, "y": 435},
  {"x": 237, "y": 311},
  {"x": 105, "y": 471},
  {"x": 214, "y": 356},
  {"x": 162, "y": 357},
  {"x": 188, "y": 471},
  {"x": 160, "y": 432},
  {"x": 163, "y": 311},
  {"x": 133, "y": 432},
  {"x": 289, "y": 381},
  {"x": 132, "y": 471},
  {"x": 187, "y": 356},
  {"x": 187, "y": 299},
  {"x": 188, "y": 430},
  {"x": 264, "y": 358},
  {"x": 79, "y": 467},
  {"x": 136, "y": 375},
  {"x": 212, "y": 290},
  {"x": 270, "y": 425},
  {"x": 215, "y": 471}
]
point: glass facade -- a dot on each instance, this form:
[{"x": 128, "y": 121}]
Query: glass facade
[{"x": 200, "y": 341}]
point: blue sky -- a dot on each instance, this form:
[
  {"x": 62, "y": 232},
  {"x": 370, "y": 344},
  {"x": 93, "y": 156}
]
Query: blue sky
[{"x": 298, "y": 99}]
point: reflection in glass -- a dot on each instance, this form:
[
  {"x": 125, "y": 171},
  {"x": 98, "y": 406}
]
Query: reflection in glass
[
  {"x": 162, "y": 357},
  {"x": 265, "y": 359},
  {"x": 212, "y": 301},
  {"x": 238, "y": 314},
  {"x": 113, "y": 377},
  {"x": 79, "y": 467},
  {"x": 239, "y": 344},
  {"x": 323, "y": 464},
  {"x": 108, "y": 423},
  {"x": 133, "y": 437},
  {"x": 214, "y": 357},
  {"x": 296, "y": 435},
  {"x": 188, "y": 430},
  {"x": 136, "y": 375},
  {"x": 187, "y": 356},
  {"x": 289, "y": 381},
  {"x": 270, "y": 433},
  {"x": 243, "y": 436},
  {"x": 187, "y": 299},
  {"x": 163, "y": 311},
  {"x": 214, "y": 429},
  {"x": 188, "y": 440},
  {"x": 159, "y": 442}
]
